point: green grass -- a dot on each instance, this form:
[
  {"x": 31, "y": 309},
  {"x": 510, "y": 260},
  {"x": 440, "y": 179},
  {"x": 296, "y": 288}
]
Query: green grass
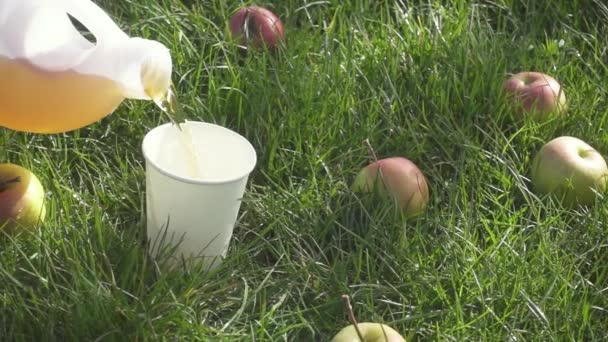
[{"x": 488, "y": 261}]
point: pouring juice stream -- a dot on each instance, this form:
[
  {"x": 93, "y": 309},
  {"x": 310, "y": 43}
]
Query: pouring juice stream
[{"x": 170, "y": 106}]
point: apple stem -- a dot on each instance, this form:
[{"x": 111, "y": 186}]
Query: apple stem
[
  {"x": 5, "y": 183},
  {"x": 370, "y": 149},
  {"x": 351, "y": 315}
]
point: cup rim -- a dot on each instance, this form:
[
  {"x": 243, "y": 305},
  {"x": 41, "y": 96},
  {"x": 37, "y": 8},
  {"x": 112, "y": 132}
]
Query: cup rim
[{"x": 196, "y": 180}]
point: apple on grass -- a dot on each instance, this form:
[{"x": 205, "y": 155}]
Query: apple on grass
[
  {"x": 21, "y": 198},
  {"x": 535, "y": 94},
  {"x": 399, "y": 179},
  {"x": 365, "y": 331},
  {"x": 570, "y": 169},
  {"x": 257, "y": 26},
  {"x": 371, "y": 332}
]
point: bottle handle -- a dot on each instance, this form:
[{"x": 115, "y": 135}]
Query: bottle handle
[{"x": 95, "y": 19}]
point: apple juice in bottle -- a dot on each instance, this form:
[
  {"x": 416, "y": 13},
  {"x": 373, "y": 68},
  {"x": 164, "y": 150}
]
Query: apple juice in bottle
[{"x": 52, "y": 101}]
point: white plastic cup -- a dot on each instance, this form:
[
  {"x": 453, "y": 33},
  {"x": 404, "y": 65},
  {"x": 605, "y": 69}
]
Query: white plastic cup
[{"x": 191, "y": 216}]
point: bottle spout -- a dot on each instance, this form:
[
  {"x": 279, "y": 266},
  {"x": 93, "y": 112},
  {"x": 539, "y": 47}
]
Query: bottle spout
[
  {"x": 148, "y": 76},
  {"x": 155, "y": 75},
  {"x": 148, "y": 68}
]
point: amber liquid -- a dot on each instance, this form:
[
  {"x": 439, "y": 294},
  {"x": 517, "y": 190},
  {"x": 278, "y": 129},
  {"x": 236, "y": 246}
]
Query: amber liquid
[
  {"x": 193, "y": 160},
  {"x": 168, "y": 103},
  {"x": 39, "y": 101}
]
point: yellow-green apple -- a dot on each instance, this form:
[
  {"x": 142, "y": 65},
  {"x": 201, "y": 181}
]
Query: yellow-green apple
[
  {"x": 371, "y": 332},
  {"x": 400, "y": 179},
  {"x": 535, "y": 94},
  {"x": 257, "y": 26},
  {"x": 570, "y": 169},
  {"x": 21, "y": 198}
]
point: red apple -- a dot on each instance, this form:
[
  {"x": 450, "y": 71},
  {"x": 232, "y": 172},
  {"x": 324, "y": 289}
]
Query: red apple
[
  {"x": 21, "y": 198},
  {"x": 535, "y": 94},
  {"x": 398, "y": 178},
  {"x": 257, "y": 26}
]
